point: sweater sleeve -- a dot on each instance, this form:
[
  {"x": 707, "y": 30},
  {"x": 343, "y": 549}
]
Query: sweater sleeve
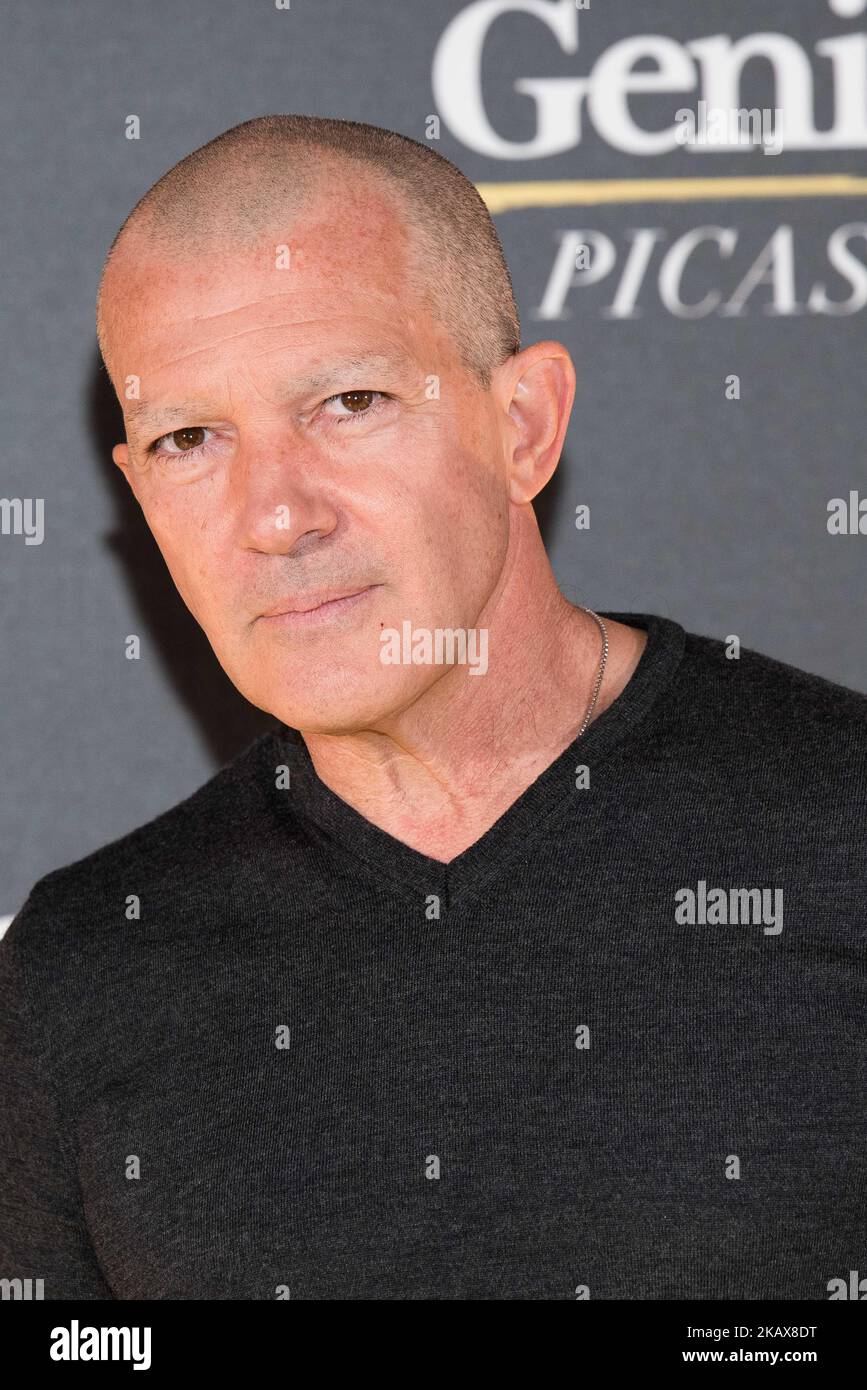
[{"x": 43, "y": 1234}]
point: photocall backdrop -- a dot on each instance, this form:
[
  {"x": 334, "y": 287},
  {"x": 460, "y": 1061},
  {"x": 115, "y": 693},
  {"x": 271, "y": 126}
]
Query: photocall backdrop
[{"x": 712, "y": 295}]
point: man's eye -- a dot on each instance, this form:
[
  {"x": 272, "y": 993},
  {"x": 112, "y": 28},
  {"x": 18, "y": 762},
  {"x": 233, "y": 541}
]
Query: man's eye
[
  {"x": 355, "y": 403},
  {"x": 186, "y": 441},
  {"x": 189, "y": 441}
]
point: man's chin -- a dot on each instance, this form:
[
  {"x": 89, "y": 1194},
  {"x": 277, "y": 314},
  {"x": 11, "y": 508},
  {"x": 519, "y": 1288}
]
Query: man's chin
[
  {"x": 330, "y": 702},
  {"x": 321, "y": 709}
]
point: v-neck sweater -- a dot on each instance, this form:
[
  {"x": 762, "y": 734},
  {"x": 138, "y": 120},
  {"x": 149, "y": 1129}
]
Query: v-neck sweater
[{"x": 259, "y": 1048}]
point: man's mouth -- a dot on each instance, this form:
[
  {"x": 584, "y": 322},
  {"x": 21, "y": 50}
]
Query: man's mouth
[{"x": 303, "y": 610}]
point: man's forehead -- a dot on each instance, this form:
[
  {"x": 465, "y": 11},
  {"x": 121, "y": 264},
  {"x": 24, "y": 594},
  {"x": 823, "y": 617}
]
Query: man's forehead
[
  {"x": 172, "y": 309},
  {"x": 275, "y": 334},
  {"x": 277, "y": 285},
  {"x": 328, "y": 372},
  {"x": 319, "y": 288}
]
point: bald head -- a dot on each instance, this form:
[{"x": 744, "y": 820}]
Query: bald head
[{"x": 247, "y": 185}]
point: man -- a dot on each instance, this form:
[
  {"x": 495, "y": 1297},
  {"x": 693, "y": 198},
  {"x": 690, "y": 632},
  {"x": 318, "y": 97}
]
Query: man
[{"x": 521, "y": 958}]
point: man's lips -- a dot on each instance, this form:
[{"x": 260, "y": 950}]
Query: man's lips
[{"x": 296, "y": 609}]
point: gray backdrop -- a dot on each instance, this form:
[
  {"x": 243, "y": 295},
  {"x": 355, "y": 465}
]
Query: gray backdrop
[{"x": 710, "y": 510}]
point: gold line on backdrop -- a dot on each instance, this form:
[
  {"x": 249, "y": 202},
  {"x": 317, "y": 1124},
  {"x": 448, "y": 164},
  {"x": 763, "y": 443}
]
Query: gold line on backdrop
[{"x": 505, "y": 197}]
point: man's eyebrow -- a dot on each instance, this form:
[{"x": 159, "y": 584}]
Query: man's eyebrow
[
  {"x": 145, "y": 414},
  {"x": 396, "y": 365}
]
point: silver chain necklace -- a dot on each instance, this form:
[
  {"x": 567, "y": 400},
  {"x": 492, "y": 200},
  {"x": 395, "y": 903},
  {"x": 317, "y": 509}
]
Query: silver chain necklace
[{"x": 600, "y": 673}]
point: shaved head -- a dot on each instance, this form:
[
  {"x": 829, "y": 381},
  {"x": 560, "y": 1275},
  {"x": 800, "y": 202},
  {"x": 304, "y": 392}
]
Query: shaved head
[{"x": 244, "y": 188}]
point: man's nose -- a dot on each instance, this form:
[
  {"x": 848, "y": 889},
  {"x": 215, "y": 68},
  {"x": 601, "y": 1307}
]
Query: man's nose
[{"x": 285, "y": 492}]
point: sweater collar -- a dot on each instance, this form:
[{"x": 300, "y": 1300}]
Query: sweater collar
[{"x": 413, "y": 875}]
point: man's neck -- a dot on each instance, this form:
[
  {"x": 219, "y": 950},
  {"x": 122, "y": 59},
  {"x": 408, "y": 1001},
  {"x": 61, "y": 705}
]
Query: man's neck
[{"x": 438, "y": 774}]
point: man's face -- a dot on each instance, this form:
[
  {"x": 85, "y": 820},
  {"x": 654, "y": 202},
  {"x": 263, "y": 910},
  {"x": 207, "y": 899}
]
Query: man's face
[{"x": 266, "y": 489}]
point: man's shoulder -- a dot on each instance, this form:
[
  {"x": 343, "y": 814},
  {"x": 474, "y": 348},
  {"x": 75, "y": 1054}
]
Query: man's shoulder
[
  {"x": 198, "y": 841},
  {"x": 746, "y": 699}
]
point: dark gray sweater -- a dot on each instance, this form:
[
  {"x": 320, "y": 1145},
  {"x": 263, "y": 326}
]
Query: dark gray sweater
[{"x": 615, "y": 1049}]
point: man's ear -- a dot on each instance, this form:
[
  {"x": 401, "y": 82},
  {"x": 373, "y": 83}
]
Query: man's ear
[
  {"x": 539, "y": 391},
  {"x": 120, "y": 454}
]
